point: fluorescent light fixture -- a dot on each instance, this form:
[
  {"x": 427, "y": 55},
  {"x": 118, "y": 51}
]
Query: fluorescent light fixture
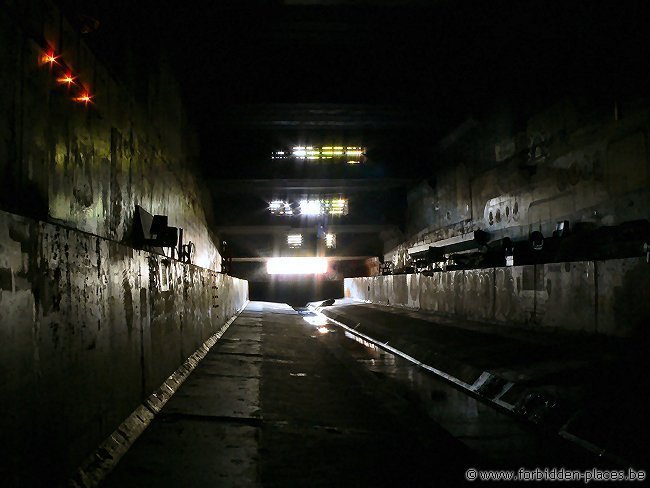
[
  {"x": 337, "y": 206},
  {"x": 330, "y": 241},
  {"x": 294, "y": 240},
  {"x": 280, "y": 207},
  {"x": 311, "y": 207},
  {"x": 295, "y": 266},
  {"x": 325, "y": 152}
]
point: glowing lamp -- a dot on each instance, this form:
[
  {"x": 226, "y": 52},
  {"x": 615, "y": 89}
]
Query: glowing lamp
[
  {"x": 311, "y": 207},
  {"x": 84, "y": 98},
  {"x": 295, "y": 266},
  {"x": 49, "y": 57},
  {"x": 66, "y": 79}
]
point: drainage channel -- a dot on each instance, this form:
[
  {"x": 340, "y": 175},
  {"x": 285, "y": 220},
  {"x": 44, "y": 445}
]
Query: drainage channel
[{"x": 499, "y": 438}]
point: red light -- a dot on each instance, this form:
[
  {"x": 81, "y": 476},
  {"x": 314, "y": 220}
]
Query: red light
[
  {"x": 68, "y": 78},
  {"x": 84, "y": 98},
  {"x": 50, "y": 57}
]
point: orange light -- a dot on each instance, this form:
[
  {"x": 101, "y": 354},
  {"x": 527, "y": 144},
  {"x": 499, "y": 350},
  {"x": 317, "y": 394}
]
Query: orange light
[
  {"x": 50, "y": 57},
  {"x": 68, "y": 78},
  {"x": 84, "y": 98}
]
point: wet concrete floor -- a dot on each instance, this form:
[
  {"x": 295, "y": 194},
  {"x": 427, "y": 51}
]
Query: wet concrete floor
[{"x": 284, "y": 399}]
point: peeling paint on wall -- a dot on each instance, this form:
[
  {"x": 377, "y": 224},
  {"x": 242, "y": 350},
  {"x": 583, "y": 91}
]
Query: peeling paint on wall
[{"x": 85, "y": 314}]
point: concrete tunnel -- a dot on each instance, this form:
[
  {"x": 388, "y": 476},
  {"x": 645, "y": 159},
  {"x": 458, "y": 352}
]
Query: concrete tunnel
[{"x": 323, "y": 243}]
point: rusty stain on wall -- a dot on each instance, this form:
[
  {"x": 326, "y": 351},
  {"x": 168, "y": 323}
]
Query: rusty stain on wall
[{"x": 70, "y": 322}]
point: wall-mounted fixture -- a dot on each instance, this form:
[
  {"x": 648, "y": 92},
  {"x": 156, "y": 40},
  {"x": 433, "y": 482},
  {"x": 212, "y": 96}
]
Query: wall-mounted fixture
[
  {"x": 153, "y": 231},
  {"x": 65, "y": 76},
  {"x": 226, "y": 258},
  {"x": 187, "y": 251},
  {"x": 536, "y": 240},
  {"x": 561, "y": 228}
]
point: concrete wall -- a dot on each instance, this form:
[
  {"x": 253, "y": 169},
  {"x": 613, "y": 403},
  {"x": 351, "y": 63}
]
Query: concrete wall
[
  {"x": 87, "y": 167},
  {"x": 89, "y": 328},
  {"x": 604, "y": 297},
  {"x": 579, "y": 162}
]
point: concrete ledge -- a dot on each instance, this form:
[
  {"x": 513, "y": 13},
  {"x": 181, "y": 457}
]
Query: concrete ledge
[
  {"x": 83, "y": 314},
  {"x": 595, "y": 297},
  {"x": 102, "y": 461}
]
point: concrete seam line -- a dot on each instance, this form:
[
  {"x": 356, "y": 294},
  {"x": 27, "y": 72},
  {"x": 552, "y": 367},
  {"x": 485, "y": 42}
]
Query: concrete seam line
[{"x": 104, "y": 459}]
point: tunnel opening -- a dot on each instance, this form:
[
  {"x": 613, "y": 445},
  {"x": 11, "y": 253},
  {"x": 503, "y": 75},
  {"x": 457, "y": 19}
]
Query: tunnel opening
[{"x": 297, "y": 292}]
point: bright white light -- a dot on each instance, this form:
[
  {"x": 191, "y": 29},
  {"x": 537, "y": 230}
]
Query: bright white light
[
  {"x": 311, "y": 207},
  {"x": 325, "y": 152},
  {"x": 294, "y": 240},
  {"x": 280, "y": 207},
  {"x": 202, "y": 259},
  {"x": 330, "y": 241},
  {"x": 296, "y": 266},
  {"x": 317, "y": 320}
]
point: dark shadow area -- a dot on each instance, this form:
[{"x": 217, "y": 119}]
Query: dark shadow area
[{"x": 295, "y": 291}]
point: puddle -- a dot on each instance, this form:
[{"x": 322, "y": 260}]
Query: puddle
[{"x": 494, "y": 436}]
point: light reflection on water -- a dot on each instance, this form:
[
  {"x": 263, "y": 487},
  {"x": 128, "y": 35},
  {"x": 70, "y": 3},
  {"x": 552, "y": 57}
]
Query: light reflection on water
[{"x": 493, "y": 435}]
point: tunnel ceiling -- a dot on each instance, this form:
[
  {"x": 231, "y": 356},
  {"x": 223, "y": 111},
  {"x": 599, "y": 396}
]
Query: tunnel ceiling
[{"x": 391, "y": 76}]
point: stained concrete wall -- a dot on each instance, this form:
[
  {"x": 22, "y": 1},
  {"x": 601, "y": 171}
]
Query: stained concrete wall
[
  {"x": 583, "y": 163},
  {"x": 89, "y": 328},
  {"x": 604, "y": 297},
  {"x": 88, "y": 166}
]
